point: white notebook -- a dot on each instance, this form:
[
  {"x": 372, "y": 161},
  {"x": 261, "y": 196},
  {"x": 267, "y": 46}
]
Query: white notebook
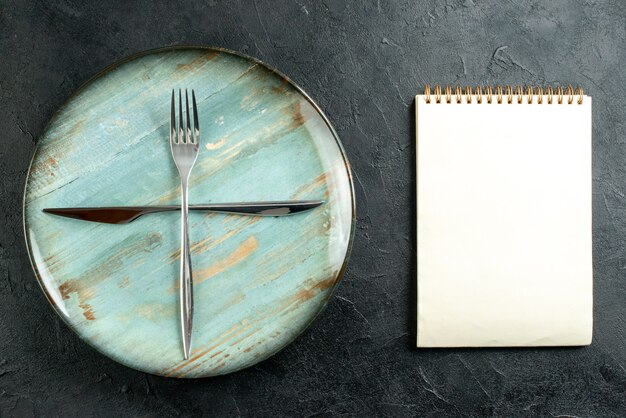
[{"x": 504, "y": 250}]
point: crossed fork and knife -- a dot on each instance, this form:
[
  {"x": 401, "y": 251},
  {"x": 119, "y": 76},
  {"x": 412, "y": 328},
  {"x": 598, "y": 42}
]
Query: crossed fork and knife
[{"x": 184, "y": 146}]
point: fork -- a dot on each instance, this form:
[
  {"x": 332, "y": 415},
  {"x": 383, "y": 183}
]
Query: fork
[{"x": 184, "y": 147}]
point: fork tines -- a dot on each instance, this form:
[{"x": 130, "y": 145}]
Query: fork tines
[{"x": 182, "y": 135}]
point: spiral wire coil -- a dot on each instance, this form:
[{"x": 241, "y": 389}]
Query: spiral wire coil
[{"x": 501, "y": 94}]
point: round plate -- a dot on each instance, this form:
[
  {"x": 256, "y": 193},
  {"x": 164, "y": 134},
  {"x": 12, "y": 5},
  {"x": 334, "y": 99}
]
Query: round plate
[{"x": 258, "y": 282}]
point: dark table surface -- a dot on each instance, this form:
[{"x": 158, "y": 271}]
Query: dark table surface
[{"x": 363, "y": 62}]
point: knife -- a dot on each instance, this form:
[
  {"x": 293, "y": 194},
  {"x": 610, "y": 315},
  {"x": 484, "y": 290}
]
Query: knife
[{"x": 126, "y": 214}]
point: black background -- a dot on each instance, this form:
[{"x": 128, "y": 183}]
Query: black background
[{"x": 363, "y": 62}]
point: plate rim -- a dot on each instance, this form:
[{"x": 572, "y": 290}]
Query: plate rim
[{"x": 151, "y": 51}]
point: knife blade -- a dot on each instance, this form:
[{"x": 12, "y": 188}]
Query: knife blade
[{"x": 126, "y": 214}]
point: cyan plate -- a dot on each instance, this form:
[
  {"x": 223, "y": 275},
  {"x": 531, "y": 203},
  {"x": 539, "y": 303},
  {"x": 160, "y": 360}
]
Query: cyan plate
[{"x": 258, "y": 282}]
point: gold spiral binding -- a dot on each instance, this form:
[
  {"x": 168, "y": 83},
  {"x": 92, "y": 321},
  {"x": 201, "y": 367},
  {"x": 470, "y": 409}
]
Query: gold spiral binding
[
  {"x": 580, "y": 93},
  {"x": 437, "y": 93},
  {"x": 570, "y": 95},
  {"x": 448, "y": 93},
  {"x": 519, "y": 93},
  {"x": 529, "y": 94},
  {"x": 479, "y": 94},
  {"x": 539, "y": 94},
  {"x": 549, "y": 93},
  {"x": 489, "y": 94},
  {"x": 536, "y": 95}
]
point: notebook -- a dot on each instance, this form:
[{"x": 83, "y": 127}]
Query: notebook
[{"x": 504, "y": 250}]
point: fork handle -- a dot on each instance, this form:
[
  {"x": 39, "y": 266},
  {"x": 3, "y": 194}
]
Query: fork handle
[{"x": 186, "y": 277}]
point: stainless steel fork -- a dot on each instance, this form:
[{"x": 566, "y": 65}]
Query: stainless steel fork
[{"x": 184, "y": 147}]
